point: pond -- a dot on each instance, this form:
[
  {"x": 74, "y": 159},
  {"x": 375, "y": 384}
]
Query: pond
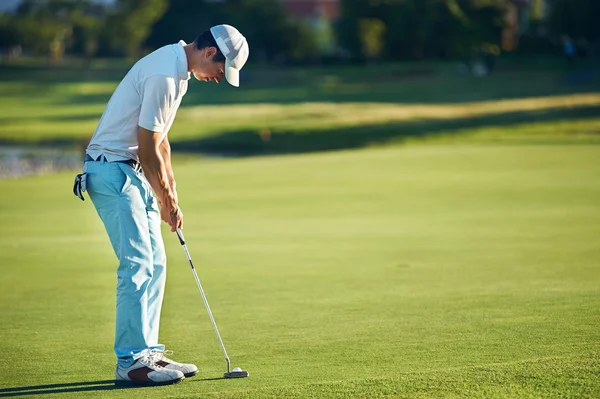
[{"x": 18, "y": 161}]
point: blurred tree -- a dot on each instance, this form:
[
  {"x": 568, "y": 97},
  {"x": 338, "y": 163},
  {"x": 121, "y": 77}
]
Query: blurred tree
[
  {"x": 347, "y": 28},
  {"x": 301, "y": 43},
  {"x": 579, "y": 19},
  {"x": 371, "y": 31},
  {"x": 129, "y": 25},
  {"x": 86, "y": 32},
  {"x": 265, "y": 23},
  {"x": 53, "y": 27},
  {"x": 184, "y": 20},
  {"x": 9, "y": 35},
  {"x": 44, "y": 27},
  {"x": 417, "y": 29}
]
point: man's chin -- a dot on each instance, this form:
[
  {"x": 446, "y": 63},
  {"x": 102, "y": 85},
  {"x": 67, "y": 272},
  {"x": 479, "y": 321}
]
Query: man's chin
[{"x": 201, "y": 78}]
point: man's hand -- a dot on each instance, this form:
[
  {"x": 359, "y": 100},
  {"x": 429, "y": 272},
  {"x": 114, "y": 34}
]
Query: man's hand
[{"x": 171, "y": 214}]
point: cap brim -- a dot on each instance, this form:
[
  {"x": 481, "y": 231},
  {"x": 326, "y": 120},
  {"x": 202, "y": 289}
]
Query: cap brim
[{"x": 231, "y": 74}]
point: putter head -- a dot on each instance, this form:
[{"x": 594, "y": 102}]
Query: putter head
[{"x": 236, "y": 374}]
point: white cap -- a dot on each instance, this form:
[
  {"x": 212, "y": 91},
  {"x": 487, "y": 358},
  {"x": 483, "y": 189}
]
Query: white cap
[{"x": 235, "y": 49}]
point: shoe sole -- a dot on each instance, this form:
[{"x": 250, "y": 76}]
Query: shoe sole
[
  {"x": 193, "y": 373},
  {"x": 148, "y": 383}
]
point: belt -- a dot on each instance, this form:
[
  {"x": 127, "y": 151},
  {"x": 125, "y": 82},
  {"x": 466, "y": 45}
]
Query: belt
[{"x": 131, "y": 162}]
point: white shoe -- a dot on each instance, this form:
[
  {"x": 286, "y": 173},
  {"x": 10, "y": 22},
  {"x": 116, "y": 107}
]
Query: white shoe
[
  {"x": 188, "y": 370},
  {"x": 145, "y": 371}
]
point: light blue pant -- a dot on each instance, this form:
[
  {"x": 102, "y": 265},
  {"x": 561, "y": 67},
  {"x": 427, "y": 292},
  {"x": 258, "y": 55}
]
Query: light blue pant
[{"x": 128, "y": 208}]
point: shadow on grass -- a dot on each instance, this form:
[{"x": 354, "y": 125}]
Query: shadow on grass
[
  {"x": 86, "y": 386},
  {"x": 252, "y": 142}
]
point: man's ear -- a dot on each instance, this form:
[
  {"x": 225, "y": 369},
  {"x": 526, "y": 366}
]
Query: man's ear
[{"x": 210, "y": 52}]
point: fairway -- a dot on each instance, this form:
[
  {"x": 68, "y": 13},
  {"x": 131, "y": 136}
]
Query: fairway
[
  {"x": 315, "y": 110},
  {"x": 428, "y": 270}
]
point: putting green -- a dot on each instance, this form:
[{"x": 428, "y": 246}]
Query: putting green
[{"x": 419, "y": 271}]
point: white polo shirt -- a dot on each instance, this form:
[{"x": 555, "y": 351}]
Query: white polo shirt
[{"x": 148, "y": 96}]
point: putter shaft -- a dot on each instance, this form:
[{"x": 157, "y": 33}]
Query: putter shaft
[{"x": 212, "y": 319}]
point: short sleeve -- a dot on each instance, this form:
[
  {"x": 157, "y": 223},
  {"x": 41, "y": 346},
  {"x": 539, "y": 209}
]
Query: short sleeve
[{"x": 158, "y": 97}]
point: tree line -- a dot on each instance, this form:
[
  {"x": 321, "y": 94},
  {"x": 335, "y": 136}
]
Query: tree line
[{"x": 366, "y": 29}]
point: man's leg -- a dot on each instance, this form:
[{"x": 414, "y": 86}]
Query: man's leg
[
  {"x": 156, "y": 290},
  {"x": 156, "y": 287},
  {"x": 119, "y": 198}
]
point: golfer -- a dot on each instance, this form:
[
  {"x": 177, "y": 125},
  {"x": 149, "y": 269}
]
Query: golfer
[{"x": 129, "y": 177}]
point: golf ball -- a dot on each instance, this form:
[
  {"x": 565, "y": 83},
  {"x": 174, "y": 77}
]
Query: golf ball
[{"x": 237, "y": 369}]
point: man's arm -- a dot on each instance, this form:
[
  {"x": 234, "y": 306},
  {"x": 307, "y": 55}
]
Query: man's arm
[
  {"x": 157, "y": 172},
  {"x": 165, "y": 151}
]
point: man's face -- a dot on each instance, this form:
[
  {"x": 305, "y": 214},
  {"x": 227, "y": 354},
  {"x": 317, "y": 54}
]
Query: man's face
[{"x": 207, "y": 70}]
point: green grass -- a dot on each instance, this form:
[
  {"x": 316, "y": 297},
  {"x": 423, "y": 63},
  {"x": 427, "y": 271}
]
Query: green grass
[
  {"x": 468, "y": 267},
  {"x": 465, "y": 270},
  {"x": 304, "y": 110}
]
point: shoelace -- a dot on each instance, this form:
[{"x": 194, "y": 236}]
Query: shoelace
[
  {"x": 158, "y": 355},
  {"x": 153, "y": 356},
  {"x": 148, "y": 361}
]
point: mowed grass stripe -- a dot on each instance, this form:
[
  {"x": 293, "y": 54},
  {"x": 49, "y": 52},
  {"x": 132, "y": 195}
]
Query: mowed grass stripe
[{"x": 63, "y": 117}]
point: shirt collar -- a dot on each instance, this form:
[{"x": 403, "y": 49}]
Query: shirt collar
[{"x": 182, "y": 64}]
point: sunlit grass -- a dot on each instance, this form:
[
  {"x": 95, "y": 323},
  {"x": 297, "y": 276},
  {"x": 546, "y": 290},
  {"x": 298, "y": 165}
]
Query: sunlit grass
[
  {"x": 206, "y": 120},
  {"x": 31, "y": 122}
]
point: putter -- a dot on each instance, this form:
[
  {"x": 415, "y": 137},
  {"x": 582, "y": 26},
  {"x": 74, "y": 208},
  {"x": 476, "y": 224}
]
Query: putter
[{"x": 236, "y": 372}]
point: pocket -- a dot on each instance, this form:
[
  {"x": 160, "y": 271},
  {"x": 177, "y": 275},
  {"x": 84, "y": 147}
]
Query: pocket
[{"x": 119, "y": 179}]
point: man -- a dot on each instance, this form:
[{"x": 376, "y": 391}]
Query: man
[{"x": 128, "y": 170}]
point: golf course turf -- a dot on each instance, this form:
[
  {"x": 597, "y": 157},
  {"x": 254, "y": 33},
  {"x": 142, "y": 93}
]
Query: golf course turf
[
  {"x": 464, "y": 262},
  {"x": 418, "y": 271}
]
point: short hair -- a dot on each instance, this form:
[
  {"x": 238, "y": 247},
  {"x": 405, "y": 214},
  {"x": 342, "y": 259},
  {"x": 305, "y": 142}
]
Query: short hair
[{"x": 206, "y": 39}]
